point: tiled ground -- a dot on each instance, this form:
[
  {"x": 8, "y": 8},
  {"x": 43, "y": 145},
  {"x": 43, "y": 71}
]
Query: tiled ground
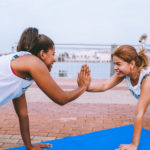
[{"x": 91, "y": 112}]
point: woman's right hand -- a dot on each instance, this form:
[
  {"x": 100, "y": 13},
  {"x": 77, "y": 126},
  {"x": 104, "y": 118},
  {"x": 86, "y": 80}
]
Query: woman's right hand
[
  {"x": 84, "y": 77},
  {"x": 40, "y": 146}
]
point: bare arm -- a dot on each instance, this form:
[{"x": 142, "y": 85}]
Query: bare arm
[
  {"x": 108, "y": 84},
  {"x": 140, "y": 110},
  {"x": 20, "y": 106},
  {"x": 40, "y": 74}
]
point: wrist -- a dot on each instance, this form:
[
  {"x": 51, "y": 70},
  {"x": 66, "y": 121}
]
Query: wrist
[
  {"x": 88, "y": 89},
  {"x": 28, "y": 147},
  {"x": 83, "y": 87},
  {"x": 135, "y": 144}
]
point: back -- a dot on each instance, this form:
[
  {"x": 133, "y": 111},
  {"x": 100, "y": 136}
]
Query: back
[{"x": 11, "y": 86}]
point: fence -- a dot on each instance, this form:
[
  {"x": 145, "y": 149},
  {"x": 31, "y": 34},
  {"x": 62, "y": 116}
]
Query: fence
[
  {"x": 70, "y": 57},
  {"x": 88, "y": 53}
]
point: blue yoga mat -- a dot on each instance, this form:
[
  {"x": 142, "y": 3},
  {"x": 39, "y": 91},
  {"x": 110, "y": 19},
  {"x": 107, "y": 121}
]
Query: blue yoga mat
[{"x": 108, "y": 139}]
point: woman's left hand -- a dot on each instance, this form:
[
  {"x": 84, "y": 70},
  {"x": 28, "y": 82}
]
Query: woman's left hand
[
  {"x": 127, "y": 147},
  {"x": 84, "y": 77},
  {"x": 40, "y": 146}
]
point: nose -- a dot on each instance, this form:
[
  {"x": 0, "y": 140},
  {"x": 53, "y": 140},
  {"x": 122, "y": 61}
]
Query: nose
[
  {"x": 115, "y": 67},
  {"x": 55, "y": 58}
]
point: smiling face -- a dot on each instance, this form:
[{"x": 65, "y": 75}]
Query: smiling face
[
  {"x": 121, "y": 67},
  {"x": 48, "y": 57}
]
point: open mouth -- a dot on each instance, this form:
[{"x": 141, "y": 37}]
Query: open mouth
[
  {"x": 50, "y": 67},
  {"x": 119, "y": 73}
]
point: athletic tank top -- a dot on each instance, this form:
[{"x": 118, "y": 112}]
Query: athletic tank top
[
  {"x": 11, "y": 86},
  {"x": 136, "y": 90}
]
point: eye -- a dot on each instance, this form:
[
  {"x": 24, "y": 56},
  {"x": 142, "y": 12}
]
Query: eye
[{"x": 117, "y": 63}]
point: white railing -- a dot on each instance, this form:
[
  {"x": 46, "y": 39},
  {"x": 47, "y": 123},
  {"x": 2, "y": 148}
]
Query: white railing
[{"x": 87, "y": 52}]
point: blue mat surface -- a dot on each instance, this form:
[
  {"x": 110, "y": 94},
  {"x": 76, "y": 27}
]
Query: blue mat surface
[{"x": 108, "y": 139}]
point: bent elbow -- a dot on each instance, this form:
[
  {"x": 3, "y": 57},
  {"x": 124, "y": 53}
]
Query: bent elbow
[
  {"x": 61, "y": 101},
  {"x": 64, "y": 101}
]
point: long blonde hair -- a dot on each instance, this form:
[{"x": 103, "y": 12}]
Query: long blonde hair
[{"x": 129, "y": 53}]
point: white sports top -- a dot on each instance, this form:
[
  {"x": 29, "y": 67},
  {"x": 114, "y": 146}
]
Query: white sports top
[
  {"x": 11, "y": 86},
  {"x": 136, "y": 90}
]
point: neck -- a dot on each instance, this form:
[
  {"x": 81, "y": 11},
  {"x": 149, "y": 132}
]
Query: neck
[{"x": 134, "y": 76}]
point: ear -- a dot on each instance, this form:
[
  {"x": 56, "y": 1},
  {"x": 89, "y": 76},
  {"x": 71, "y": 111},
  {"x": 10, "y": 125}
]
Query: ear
[
  {"x": 41, "y": 54},
  {"x": 132, "y": 64}
]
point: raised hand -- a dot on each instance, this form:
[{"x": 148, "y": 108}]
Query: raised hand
[
  {"x": 40, "y": 146},
  {"x": 84, "y": 77},
  {"x": 127, "y": 147}
]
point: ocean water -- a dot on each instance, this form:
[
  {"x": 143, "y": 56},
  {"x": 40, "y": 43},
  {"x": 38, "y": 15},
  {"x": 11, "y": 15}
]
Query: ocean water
[{"x": 71, "y": 69}]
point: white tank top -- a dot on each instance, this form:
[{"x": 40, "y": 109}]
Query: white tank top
[
  {"x": 11, "y": 86},
  {"x": 136, "y": 90}
]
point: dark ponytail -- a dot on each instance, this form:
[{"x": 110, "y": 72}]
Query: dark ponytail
[
  {"x": 28, "y": 40},
  {"x": 34, "y": 42}
]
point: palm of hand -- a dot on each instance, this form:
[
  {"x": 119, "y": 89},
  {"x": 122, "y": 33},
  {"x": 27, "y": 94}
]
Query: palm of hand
[{"x": 84, "y": 76}]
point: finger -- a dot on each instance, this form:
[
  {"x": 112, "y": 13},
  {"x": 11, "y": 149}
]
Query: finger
[
  {"x": 84, "y": 65},
  {"x": 83, "y": 69},
  {"x": 123, "y": 146},
  {"x": 46, "y": 145},
  {"x": 89, "y": 72},
  {"x": 84, "y": 73},
  {"x": 120, "y": 146},
  {"x": 86, "y": 69}
]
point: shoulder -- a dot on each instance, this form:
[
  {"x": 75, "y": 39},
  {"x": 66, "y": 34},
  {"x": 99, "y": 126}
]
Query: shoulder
[
  {"x": 29, "y": 62},
  {"x": 146, "y": 82},
  {"x": 145, "y": 89},
  {"x": 29, "y": 57}
]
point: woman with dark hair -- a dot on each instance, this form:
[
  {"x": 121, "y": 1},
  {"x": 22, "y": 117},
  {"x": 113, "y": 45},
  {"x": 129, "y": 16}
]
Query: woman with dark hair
[{"x": 33, "y": 62}]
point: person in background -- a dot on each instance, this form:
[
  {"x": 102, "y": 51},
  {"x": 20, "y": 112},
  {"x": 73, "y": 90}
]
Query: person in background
[
  {"x": 133, "y": 67},
  {"x": 33, "y": 62}
]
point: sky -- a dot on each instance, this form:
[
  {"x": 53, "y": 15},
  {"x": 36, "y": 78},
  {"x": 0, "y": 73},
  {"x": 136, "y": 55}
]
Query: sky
[{"x": 75, "y": 21}]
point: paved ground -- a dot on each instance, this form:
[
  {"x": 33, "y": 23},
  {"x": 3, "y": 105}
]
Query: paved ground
[{"x": 91, "y": 112}]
